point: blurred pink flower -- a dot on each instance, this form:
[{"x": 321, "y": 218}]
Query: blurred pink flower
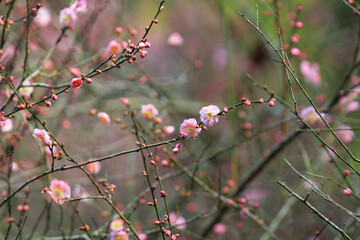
[
  {"x": 6, "y": 125},
  {"x": 43, "y": 17},
  {"x": 310, "y": 71},
  {"x": 113, "y": 47},
  {"x": 26, "y": 91},
  {"x": 175, "y": 40},
  {"x": 104, "y": 118},
  {"x": 219, "y": 229},
  {"x": 208, "y": 115},
  {"x": 42, "y": 137},
  {"x": 119, "y": 235},
  {"x": 189, "y": 128},
  {"x": 125, "y": 101},
  {"x": 59, "y": 191},
  {"x": 94, "y": 167},
  {"x": 177, "y": 220},
  {"x": 345, "y": 133},
  {"x": 310, "y": 116},
  {"x": 142, "y": 236},
  {"x": 68, "y": 17},
  {"x": 295, "y": 51},
  {"x": 149, "y": 111},
  {"x": 168, "y": 129},
  {"x": 80, "y": 6},
  {"x": 349, "y": 103}
]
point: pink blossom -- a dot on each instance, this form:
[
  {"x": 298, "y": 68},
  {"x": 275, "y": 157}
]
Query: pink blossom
[
  {"x": 142, "y": 236},
  {"x": 149, "y": 111},
  {"x": 168, "y": 129},
  {"x": 177, "y": 149},
  {"x": 299, "y": 24},
  {"x": 24, "y": 90},
  {"x": 345, "y": 133},
  {"x": 79, "y": 6},
  {"x": 310, "y": 116},
  {"x": 68, "y": 17},
  {"x": 177, "y": 220},
  {"x": 43, "y": 17},
  {"x": 219, "y": 229},
  {"x": 93, "y": 167},
  {"x": 295, "y": 38},
  {"x": 117, "y": 225},
  {"x": 347, "y": 191},
  {"x": 113, "y": 47},
  {"x": 352, "y": 106},
  {"x": 348, "y": 102},
  {"x": 76, "y": 83},
  {"x": 59, "y": 191},
  {"x": 295, "y": 51},
  {"x": 175, "y": 40},
  {"x": 125, "y": 101},
  {"x": 209, "y": 115},
  {"x": 143, "y": 54},
  {"x": 310, "y": 71},
  {"x": 119, "y": 235},
  {"x": 6, "y": 125},
  {"x": 42, "y": 137},
  {"x": 104, "y": 118},
  {"x": 14, "y": 167},
  {"x": 190, "y": 128}
]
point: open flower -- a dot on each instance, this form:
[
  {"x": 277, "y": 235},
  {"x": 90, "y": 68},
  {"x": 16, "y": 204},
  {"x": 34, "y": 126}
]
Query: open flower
[
  {"x": 208, "y": 115},
  {"x": 113, "y": 47},
  {"x": 76, "y": 83},
  {"x": 149, "y": 111},
  {"x": 190, "y": 128},
  {"x": 59, "y": 191},
  {"x": 79, "y": 6},
  {"x": 68, "y": 17},
  {"x": 119, "y": 235},
  {"x": 42, "y": 137},
  {"x": 310, "y": 116},
  {"x": 117, "y": 225}
]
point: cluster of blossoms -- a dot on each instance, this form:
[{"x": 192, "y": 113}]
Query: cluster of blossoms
[
  {"x": 59, "y": 191},
  {"x": 209, "y": 116},
  {"x": 68, "y": 15}
]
